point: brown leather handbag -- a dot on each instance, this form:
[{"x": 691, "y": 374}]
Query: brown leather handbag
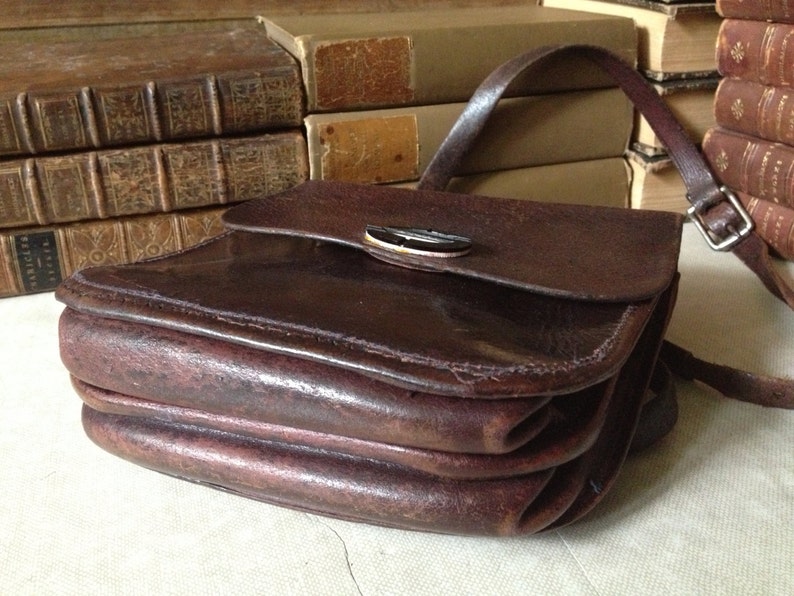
[{"x": 410, "y": 358}]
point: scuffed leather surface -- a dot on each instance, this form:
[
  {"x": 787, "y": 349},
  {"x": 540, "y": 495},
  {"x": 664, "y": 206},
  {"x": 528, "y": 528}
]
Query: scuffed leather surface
[
  {"x": 328, "y": 303},
  {"x": 573, "y": 251},
  {"x": 300, "y": 370}
]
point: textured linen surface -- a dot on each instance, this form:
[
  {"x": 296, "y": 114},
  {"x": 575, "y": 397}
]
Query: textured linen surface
[{"x": 707, "y": 511}]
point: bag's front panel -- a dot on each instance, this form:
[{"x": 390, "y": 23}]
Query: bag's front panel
[{"x": 438, "y": 333}]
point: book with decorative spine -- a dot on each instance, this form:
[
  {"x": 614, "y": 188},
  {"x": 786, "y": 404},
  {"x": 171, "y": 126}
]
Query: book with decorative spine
[
  {"x": 760, "y": 168},
  {"x": 37, "y": 259},
  {"x": 396, "y": 144},
  {"x": 780, "y": 11},
  {"x": 756, "y": 51},
  {"x": 162, "y": 177},
  {"x": 379, "y": 60},
  {"x": 124, "y": 91},
  {"x": 759, "y": 110}
]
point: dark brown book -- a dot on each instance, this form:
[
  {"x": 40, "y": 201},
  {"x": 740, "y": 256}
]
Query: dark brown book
[
  {"x": 66, "y": 96},
  {"x": 19, "y": 14},
  {"x": 38, "y": 259},
  {"x": 752, "y": 165},
  {"x": 756, "y": 51},
  {"x": 150, "y": 178},
  {"x": 781, "y": 11},
  {"x": 755, "y": 109}
]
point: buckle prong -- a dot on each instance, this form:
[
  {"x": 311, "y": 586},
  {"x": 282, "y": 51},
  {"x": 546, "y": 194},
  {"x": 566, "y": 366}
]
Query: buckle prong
[{"x": 736, "y": 236}]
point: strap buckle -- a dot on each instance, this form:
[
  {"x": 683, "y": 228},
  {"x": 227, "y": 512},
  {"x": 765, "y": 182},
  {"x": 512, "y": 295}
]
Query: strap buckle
[{"x": 736, "y": 236}]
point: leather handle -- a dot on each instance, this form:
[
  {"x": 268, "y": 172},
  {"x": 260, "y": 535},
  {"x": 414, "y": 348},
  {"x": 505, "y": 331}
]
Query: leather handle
[
  {"x": 716, "y": 214},
  {"x": 704, "y": 191}
]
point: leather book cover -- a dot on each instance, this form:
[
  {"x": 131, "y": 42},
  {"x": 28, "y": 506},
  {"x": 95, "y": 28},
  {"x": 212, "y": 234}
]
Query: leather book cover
[
  {"x": 756, "y": 51},
  {"x": 38, "y": 259},
  {"x": 389, "y": 59},
  {"x": 752, "y": 165},
  {"x": 397, "y": 144},
  {"x": 161, "y": 177},
  {"x": 134, "y": 90},
  {"x": 755, "y": 109},
  {"x": 19, "y": 14},
  {"x": 773, "y": 222},
  {"x": 781, "y": 11}
]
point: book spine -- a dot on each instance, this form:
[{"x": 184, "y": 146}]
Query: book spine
[
  {"x": 38, "y": 259},
  {"x": 756, "y": 51},
  {"x": 748, "y": 164},
  {"x": 153, "y": 178},
  {"x": 370, "y": 71},
  {"x": 774, "y": 223},
  {"x": 134, "y": 114},
  {"x": 397, "y": 144},
  {"x": 781, "y": 11},
  {"x": 755, "y": 109}
]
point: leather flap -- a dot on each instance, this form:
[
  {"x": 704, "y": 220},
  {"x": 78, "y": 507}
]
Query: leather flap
[
  {"x": 292, "y": 279},
  {"x": 571, "y": 251}
]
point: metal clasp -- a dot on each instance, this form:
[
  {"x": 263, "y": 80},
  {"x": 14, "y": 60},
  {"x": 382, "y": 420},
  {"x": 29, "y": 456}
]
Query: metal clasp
[
  {"x": 736, "y": 236},
  {"x": 418, "y": 241}
]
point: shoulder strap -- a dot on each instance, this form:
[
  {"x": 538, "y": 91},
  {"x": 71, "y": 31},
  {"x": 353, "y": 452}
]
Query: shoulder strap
[{"x": 715, "y": 210}]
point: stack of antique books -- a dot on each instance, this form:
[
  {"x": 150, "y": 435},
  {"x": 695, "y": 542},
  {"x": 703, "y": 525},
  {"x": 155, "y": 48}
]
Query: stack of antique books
[
  {"x": 124, "y": 142},
  {"x": 751, "y": 146},
  {"x": 114, "y": 150},
  {"x": 676, "y": 55}
]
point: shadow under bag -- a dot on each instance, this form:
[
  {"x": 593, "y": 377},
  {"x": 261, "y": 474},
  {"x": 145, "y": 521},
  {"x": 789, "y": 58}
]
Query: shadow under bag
[{"x": 409, "y": 358}]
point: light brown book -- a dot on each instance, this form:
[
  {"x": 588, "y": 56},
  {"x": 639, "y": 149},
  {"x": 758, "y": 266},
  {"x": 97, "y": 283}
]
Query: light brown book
[
  {"x": 151, "y": 178},
  {"x": 691, "y": 101},
  {"x": 397, "y": 144},
  {"x": 20, "y": 14},
  {"x": 751, "y": 165},
  {"x": 38, "y": 259},
  {"x": 656, "y": 186},
  {"x": 607, "y": 183},
  {"x": 780, "y": 11},
  {"x": 672, "y": 43},
  {"x": 756, "y": 51},
  {"x": 427, "y": 57},
  {"x": 755, "y": 109},
  {"x": 91, "y": 94}
]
